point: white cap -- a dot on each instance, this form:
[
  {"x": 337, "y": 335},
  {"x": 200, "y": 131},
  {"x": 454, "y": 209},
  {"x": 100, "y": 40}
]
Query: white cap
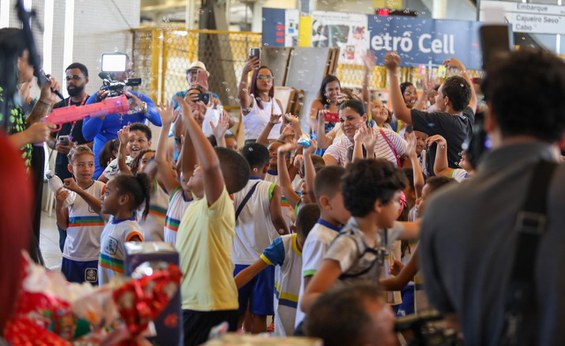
[{"x": 198, "y": 65}]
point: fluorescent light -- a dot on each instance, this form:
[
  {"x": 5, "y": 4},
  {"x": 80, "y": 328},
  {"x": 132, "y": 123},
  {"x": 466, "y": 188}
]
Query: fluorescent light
[
  {"x": 48, "y": 35},
  {"x": 68, "y": 45}
]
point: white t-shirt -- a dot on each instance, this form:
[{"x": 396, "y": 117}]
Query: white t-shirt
[
  {"x": 459, "y": 174},
  {"x": 113, "y": 169},
  {"x": 254, "y": 229},
  {"x": 153, "y": 225},
  {"x": 284, "y": 254},
  {"x": 112, "y": 247},
  {"x": 313, "y": 252},
  {"x": 85, "y": 227},
  {"x": 255, "y": 121},
  {"x": 177, "y": 206}
]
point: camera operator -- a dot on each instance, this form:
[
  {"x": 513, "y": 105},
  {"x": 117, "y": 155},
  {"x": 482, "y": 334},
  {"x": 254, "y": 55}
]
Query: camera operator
[
  {"x": 470, "y": 232},
  {"x": 103, "y": 129}
]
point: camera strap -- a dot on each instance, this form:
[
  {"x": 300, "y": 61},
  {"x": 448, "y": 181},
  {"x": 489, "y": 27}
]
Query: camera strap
[{"x": 531, "y": 224}]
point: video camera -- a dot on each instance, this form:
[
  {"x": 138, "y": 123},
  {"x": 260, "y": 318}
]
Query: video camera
[{"x": 113, "y": 64}]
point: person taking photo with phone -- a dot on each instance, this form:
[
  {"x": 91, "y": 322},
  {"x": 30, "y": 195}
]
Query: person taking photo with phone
[{"x": 258, "y": 102}]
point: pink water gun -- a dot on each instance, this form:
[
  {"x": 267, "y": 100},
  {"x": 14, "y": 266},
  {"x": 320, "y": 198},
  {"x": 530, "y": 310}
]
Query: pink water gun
[{"x": 113, "y": 105}]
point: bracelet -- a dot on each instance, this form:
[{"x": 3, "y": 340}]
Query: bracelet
[{"x": 45, "y": 103}]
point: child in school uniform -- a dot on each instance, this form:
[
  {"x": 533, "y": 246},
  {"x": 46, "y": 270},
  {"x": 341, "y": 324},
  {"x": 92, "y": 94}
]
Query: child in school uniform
[
  {"x": 371, "y": 192},
  {"x": 205, "y": 235},
  {"x": 124, "y": 195},
  {"x": 138, "y": 139},
  {"x": 180, "y": 196},
  {"x": 82, "y": 220},
  {"x": 259, "y": 221},
  {"x": 286, "y": 254},
  {"x": 333, "y": 215}
]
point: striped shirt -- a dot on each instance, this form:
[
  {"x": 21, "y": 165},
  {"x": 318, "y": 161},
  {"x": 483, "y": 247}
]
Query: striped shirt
[
  {"x": 112, "y": 250},
  {"x": 177, "y": 206},
  {"x": 153, "y": 225},
  {"x": 284, "y": 254},
  {"x": 84, "y": 228},
  {"x": 389, "y": 145}
]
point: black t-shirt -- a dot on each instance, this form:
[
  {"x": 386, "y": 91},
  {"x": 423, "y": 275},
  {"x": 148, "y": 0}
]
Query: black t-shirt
[
  {"x": 61, "y": 161},
  {"x": 454, "y": 128}
]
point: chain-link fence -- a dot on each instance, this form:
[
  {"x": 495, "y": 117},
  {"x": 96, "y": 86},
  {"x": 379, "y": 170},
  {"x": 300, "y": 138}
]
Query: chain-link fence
[{"x": 161, "y": 57}]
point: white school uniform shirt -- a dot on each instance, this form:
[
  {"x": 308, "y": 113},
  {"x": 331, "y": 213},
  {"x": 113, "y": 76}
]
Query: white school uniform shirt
[
  {"x": 177, "y": 206},
  {"x": 313, "y": 252},
  {"x": 255, "y": 121},
  {"x": 153, "y": 226},
  {"x": 112, "y": 247},
  {"x": 85, "y": 227},
  {"x": 284, "y": 254},
  {"x": 112, "y": 170},
  {"x": 254, "y": 229}
]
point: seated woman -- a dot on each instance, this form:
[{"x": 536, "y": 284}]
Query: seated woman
[{"x": 370, "y": 142}]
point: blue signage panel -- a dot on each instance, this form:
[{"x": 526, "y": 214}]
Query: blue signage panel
[
  {"x": 273, "y": 27},
  {"x": 419, "y": 41}
]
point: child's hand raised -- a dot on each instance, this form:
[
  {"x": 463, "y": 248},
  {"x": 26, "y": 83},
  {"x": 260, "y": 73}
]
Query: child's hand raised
[
  {"x": 221, "y": 128},
  {"x": 166, "y": 113},
  {"x": 411, "y": 147},
  {"x": 439, "y": 139},
  {"x": 275, "y": 119},
  {"x": 288, "y": 147},
  {"x": 186, "y": 108},
  {"x": 123, "y": 135},
  {"x": 291, "y": 119},
  {"x": 312, "y": 148}
]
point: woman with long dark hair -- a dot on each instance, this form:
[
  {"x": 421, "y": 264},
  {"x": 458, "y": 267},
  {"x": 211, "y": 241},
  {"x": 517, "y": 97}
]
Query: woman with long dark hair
[
  {"x": 258, "y": 104},
  {"x": 324, "y": 112}
]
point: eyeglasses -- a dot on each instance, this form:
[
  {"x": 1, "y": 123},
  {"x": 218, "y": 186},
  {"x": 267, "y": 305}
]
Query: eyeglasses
[{"x": 262, "y": 77}]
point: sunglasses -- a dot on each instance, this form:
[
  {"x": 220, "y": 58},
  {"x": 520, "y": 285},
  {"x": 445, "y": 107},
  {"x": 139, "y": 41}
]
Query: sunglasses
[{"x": 262, "y": 77}]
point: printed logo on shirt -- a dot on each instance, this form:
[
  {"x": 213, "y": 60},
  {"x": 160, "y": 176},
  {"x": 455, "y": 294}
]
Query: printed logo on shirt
[
  {"x": 91, "y": 275},
  {"x": 111, "y": 246}
]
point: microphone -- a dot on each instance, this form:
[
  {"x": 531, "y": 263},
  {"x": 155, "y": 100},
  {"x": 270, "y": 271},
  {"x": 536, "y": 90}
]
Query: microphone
[{"x": 46, "y": 76}]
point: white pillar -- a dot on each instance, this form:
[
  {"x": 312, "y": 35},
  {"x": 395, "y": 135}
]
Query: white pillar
[
  {"x": 5, "y": 13},
  {"x": 439, "y": 10}
]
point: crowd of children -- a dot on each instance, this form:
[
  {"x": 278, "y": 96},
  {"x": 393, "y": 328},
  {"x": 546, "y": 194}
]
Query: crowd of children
[{"x": 268, "y": 230}]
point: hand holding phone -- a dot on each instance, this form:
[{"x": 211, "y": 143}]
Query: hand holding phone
[{"x": 64, "y": 139}]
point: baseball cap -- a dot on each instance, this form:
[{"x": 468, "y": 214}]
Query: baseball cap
[{"x": 198, "y": 65}]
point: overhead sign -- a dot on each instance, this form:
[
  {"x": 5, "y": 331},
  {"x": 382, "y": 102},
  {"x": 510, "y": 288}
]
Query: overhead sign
[
  {"x": 529, "y": 18},
  {"x": 421, "y": 41},
  {"x": 418, "y": 41}
]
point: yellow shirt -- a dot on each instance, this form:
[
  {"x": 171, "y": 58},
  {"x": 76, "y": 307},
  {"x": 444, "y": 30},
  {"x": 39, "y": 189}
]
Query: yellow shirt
[{"x": 204, "y": 242}]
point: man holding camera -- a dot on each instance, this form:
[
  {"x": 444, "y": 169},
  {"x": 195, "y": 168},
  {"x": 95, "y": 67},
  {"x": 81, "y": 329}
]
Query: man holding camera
[
  {"x": 198, "y": 90},
  {"x": 103, "y": 129},
  {"x": 472, "y": 237}
]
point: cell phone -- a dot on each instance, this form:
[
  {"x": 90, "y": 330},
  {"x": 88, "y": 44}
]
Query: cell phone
[
  {"x": 409, "y": 129},
  {"x": 255, "y": 52},
  {"x": 496, "y": 40},
  {"x": 64, "y": 139},
  {"x": 204, "y": 97}
]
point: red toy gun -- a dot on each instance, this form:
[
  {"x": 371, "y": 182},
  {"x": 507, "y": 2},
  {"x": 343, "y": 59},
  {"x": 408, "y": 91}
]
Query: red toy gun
[{"x": 114, "y": 105}]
